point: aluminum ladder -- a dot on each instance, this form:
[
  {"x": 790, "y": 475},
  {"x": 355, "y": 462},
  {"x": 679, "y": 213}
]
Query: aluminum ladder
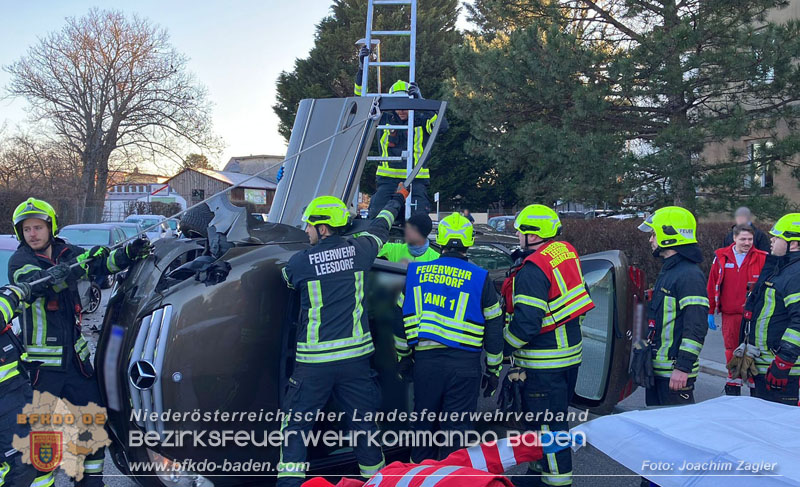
[{"x": 408, "y": 154}]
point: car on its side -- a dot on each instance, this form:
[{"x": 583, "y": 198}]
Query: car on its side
[{"x": 207, "y": 326}]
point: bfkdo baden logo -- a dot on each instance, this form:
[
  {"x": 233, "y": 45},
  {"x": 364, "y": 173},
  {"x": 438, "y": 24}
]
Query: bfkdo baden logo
[{"x": 47, "y": 449}]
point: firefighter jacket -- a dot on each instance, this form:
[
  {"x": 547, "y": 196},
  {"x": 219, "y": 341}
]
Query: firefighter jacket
[
  {"x": 394, "y": 142},
  {"x": 477, "y": 466},
  {"x": 545, "y": 297},
  {"x": 678, "y": 312},
  {"x": 12, "y": 353},
  {"x": 398, "y": 252},
  {"x": 52, "y": 321},
  {"x": 451, "y": 302},
  {"x": 330, "y": 279},
  {"x": 727, "y": 281},
  {"x": 775, "y": 308}
]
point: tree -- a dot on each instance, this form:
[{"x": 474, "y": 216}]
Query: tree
[
  {"x": 532, "y": 107},
  {"x": 330, "y": 68},
  {"x": 108, "y": 83},
  {"x": 668, "y": 77},
  {"x": 196, "y": 161}
]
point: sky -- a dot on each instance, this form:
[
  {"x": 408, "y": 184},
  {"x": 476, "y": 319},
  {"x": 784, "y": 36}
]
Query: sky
[{"x": 237, "y": 49}]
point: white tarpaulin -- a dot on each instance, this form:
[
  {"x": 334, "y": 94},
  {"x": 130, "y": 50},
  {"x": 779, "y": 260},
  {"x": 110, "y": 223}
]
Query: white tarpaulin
[{"x": 720, "y": 442}]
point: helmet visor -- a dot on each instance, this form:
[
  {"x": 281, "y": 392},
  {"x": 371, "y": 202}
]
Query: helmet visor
[{"x": 647, "y": 225}]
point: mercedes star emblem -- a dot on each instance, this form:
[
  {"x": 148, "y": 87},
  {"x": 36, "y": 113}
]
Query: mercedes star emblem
[{"x": 143, "y": 375}]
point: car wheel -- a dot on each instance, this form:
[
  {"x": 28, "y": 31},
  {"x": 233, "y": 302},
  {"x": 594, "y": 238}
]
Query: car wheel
[
  {"x": 195, "y": 222},
  {"x": 95, "y": 296}
]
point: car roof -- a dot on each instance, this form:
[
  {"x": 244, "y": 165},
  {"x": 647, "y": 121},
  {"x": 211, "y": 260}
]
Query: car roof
[
  {"x": 160, "y": 217},
  {"x": 89, "y": 226},
  {"x": 8, "y": 242}
]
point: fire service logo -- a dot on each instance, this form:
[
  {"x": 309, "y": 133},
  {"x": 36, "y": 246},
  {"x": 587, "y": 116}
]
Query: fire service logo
[{"x": 47, "y": 448}]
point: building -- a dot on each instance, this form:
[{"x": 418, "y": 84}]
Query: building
[
  {"x": 770, "y": 178},
  {"x": 265, "y": 166},
  {"x": 119, "y": 198},
  {"x": 195, "y": 185}
]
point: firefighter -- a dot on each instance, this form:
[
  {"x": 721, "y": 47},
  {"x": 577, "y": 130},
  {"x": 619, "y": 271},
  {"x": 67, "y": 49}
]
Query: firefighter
[
  {"x": 735, "y": 269},
  {"x": 394, "y": 142},
  {"x": 545, "y": 298},
  {"x": 451, "y": 314},
  {"x": 15, "y": 390},
  {"x": 678, "y": 309},
  {"x": 773, "y": 313},
  {"x": 334, "y": 343},
  {"x": 416, "y": 247},
  {"x": 56, "y": 349}
]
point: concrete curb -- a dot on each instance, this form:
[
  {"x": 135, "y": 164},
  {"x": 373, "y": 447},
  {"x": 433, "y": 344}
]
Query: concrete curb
[{"x": 713, "y": 368}]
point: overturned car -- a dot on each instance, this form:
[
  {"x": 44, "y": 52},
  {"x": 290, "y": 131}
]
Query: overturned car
[{"x": 198, "y": 339}]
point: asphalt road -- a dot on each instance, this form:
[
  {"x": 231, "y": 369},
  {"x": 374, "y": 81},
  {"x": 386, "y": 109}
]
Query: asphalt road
[{"x": 590, "y": 466}]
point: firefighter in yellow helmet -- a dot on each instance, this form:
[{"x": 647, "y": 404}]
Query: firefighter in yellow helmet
[
  {"x": 545, "y": 297},
  {"x": 451, "y": 314},
  {"x": 334, "y": 343},
  {"x": 394, "y": 142},
  {"x": 678, "y": 309},
  {"x": 57, "y": 353},
  {"x": 772, "y": 315}
]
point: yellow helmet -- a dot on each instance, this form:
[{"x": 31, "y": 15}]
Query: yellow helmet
[
  {"x": 538, "y": 220},
  {"x": 399, "y": 86},
  {"x": 787, "y": 228},
  {"x": 327, "y": 210},
  {"x": 34, "y": 208},
  {"x": 672, "y": 225},
  {"x": 455, "y": 228}
]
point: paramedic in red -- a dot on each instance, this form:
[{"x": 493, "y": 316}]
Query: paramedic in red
[{"x": 734, "y": 267}]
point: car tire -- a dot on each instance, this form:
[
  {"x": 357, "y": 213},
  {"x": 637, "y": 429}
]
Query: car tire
[
  {"x": 195, "y": 222},
  {"x": 95, "y": 296}
]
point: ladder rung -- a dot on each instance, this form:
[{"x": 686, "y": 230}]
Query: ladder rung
[
  {"x": 393, "y": 127},
  {"x": 391, "y": 2},
  {"x": 385, "y": 158},
  {"x": 401, "y": 64},
  {"x": 391, "y": 32}
]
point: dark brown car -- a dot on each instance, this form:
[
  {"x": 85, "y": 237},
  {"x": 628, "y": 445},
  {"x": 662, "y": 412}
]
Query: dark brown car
[{"x": 206, "y": 326}]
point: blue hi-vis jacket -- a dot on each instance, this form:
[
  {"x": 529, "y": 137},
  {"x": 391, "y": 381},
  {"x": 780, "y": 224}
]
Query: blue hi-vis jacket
[{"x": 447, "y": 302}]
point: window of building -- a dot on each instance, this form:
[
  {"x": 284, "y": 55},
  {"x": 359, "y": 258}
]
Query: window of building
[
  {"x": 760, "y": 170},
  {"x": 198, "y": 195}
]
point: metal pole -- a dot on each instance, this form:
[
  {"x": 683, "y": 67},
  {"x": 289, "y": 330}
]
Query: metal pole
[
  {"x": 368, "y": 43},
  {"x": 411, "y": 133}
]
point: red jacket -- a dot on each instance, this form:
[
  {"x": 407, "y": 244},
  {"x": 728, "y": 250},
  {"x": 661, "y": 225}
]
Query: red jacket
[
  {"x": 727, "y": 283},
  {"x": 477, "y": 466}
]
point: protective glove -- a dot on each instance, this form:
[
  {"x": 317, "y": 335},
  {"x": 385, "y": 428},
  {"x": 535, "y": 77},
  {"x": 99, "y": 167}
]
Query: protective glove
[
  {"x": 363, "y": 53},
  {"x": 778, "y": 374},
  {"x": 59, "y": 273},
  {"x": 138, "y": 249},
  {"x": 413, "y": 91},
  {"x": 489, "y": 382},
  {"x": 405, "y": 369},
  {"x": 92, "y": 259},
  {"x": 510, "y": 397},
  {"x": 16, "y": 293},
  {"x": 712, "y": 323},
  {"x": 280, "y": 174}
]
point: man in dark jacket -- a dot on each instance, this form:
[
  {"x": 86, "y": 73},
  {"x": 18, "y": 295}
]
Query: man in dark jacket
[
  {"x": 451, "y": 315},
  {"x": 772, "y": 316},
  {"x": 743, "y": 216},
  {"x": 57, "y": 351},
  {"x": 679, "y": 307},
  {"x": 334, "y": 342}
]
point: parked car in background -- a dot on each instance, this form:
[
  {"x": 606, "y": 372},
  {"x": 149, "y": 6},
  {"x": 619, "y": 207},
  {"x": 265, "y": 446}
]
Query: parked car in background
[
  {"x": 502, "y": 224},
  {"x": 89, "y": 291},
  {"x": 88, "y": 235},
  {"x": 129, "y": 229},
  {"x": 147, "y": 221}
]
